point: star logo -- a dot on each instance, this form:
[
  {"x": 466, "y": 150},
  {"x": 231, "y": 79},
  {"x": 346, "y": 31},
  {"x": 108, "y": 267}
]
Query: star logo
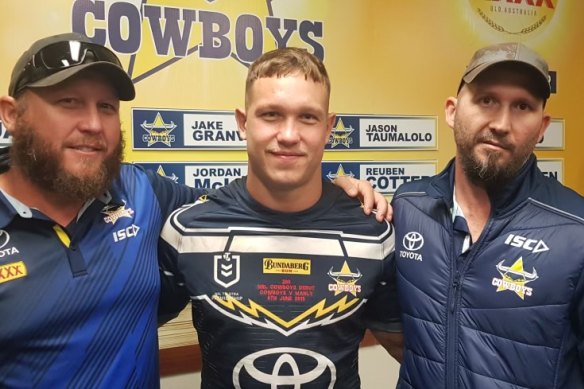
[
  {"x": 514, "y": 278},
  {"x": 115, "y": 212},
  {"x": 346, "y": 280},
  {"x": 339, "y": 173},
  {"x": 341, "y": 135},
  {"x": 160, "y": 171},
  {"x": 158, "y": 131}
]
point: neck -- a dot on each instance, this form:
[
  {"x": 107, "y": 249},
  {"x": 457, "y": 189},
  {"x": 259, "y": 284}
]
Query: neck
[
  {"x": 474, "y": 201},
  {"x": 285, "y": 199},
  {"x": 60, "y": 208}
]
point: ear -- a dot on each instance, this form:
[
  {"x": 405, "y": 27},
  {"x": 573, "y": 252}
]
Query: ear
[
  {"x": 544, "y": 125},
  {"x": 8, "y": 112},
  {"x": 330, "y": 122},
  {"x": 450, "y": 110},
  {"x": 241, "y": 119}
]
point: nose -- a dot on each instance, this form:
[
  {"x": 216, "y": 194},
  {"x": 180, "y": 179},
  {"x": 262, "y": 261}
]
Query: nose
[
  {"x": 288, "y": 132},
  {"x": 501, "y": 121},
  {"x": 91, "y": 120}
]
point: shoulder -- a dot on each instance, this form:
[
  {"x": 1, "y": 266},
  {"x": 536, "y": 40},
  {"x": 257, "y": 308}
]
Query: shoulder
[
  {"x": 417, "y": 186},
  {"x": 346, "y": 214},
  {"x": 218, "y": 208},
  {"x": 132, "y": 179},
  {"x": 550, "y": 192}
]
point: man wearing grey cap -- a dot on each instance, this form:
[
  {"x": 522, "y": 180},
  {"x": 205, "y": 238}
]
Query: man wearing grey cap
[
  {"x": 79, "y": 280},
  {"x": 490, "y": 252}
]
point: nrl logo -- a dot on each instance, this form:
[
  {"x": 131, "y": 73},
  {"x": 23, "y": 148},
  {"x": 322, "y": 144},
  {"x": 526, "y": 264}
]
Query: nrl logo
[
  {"x": 226, "y": 269},
  {"x": 115, "y": 212},
  {"x": 514, "y": 278}
]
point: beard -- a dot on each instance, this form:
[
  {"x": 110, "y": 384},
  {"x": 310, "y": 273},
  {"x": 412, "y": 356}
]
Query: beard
[
  {"x": 43, "y": 165},
  {"x": 489, "y": 172}
]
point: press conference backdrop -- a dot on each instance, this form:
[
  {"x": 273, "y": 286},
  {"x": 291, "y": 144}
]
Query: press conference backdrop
[{"x": 392, "y": 64}]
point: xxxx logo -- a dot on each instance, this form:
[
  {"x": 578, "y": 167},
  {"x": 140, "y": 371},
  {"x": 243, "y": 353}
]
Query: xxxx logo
[{"x": 12, "y": 271}]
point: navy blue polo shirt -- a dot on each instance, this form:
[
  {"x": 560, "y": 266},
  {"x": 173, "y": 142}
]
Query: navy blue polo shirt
[{"x": 78, "y": 303}]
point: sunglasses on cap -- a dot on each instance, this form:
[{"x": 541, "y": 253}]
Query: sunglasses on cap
[{"x": 58, "y": 56}]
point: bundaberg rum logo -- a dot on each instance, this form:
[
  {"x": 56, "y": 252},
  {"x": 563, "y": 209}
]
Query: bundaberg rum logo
[{"x": 515, "y": 17}]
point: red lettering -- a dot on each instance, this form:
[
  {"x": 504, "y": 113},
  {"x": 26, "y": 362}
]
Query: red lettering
[
  {"x": 539, "y": 3},
  {"x": 548, "y": 3},
  {"x": 529, "y": 2}
]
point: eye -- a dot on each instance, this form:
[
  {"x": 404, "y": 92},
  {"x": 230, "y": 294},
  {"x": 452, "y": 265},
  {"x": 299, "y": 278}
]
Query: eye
[
  {"x": 524, "y": 107},
  {"x": 108, "y": 107},
  {"x": 486, "y": 100},
  {"x": 68, "y": 101},
  {"x": 309, "y": 118},
  {"x": 269, "y": 115}
]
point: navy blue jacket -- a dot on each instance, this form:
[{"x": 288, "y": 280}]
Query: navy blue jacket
[{"x": 509, "y": 313}]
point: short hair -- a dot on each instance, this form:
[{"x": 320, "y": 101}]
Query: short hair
[{"x": 284, "y": 62}]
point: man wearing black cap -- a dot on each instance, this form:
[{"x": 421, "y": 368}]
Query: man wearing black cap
[
  {"x": 79, "y": 279},
  {"x": 490, "y": 252}
]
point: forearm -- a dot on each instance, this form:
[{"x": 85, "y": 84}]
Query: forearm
[{"x": 392, "y": 342}]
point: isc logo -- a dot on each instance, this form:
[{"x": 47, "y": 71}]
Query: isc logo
[
  {"x": 127, "y": 232},
  {"x": 535, "y": 246}
]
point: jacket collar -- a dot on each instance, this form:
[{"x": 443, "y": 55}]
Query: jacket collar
[{"x": 503, "y": 199}]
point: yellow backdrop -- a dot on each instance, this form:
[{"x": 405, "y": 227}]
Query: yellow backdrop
[{"x": 388, "y": 60}]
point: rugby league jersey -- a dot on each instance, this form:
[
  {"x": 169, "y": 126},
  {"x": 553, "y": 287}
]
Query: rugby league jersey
[
  {"x": 78, "y": 303},
  {"x": 280, "y": 299}
]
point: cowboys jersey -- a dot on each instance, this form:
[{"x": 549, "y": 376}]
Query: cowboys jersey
[{"x": 279, "y": 299}]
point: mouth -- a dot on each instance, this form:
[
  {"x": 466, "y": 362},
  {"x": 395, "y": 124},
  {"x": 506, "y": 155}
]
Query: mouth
[
  {"x": 286, "y": 154},
  {"x": 495, "y": 145},
  {"x": 87, "y": 148}
]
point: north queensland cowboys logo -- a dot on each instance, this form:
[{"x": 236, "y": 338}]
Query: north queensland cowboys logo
[
  {"x": 115, "y": 212},
  {"x": 226, "y": 269},
  {"x": 514, "y": 278}
]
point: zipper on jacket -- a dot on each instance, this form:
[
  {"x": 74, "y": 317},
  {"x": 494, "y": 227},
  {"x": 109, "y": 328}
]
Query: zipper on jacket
[
  {"x": 455, "y": 285},
  {"x": 452, "y": 333},
  {"x": 453, "y": 311}
]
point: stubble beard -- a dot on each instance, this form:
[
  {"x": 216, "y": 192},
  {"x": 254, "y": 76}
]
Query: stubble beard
[{"x": 43, "y": 166}]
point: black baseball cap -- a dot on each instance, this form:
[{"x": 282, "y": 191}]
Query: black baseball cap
[{"x": 52, "y": 60}]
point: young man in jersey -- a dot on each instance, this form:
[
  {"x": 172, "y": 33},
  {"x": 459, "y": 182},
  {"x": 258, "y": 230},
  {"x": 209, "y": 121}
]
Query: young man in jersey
[
  {"x": 284, "y": 271},
  {"x": 79, "y": 278},
  {"x": 492, "y": 286}
]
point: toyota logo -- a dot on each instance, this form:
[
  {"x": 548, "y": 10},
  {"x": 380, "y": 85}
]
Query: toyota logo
[
  {"x": 4, "y": 238},
  {"x": 413, "y": 241},
  {"x": 299, "y": 362}
]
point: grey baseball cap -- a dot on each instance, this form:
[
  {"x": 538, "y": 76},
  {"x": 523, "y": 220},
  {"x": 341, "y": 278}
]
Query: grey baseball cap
[
  {"x": 52, "y": 60},
  {"x": 509, "y": 52}
]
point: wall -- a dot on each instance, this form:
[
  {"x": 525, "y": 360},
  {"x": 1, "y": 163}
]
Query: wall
[{"x": 392, "y": 63}]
